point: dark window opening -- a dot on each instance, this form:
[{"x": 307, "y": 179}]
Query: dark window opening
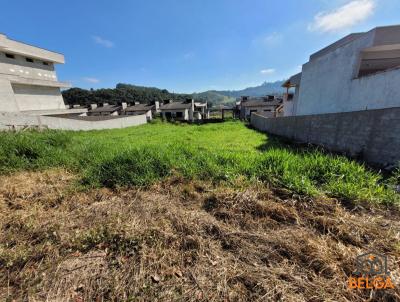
[
  {"x": 29, "y": 60},
  {"x": 179, "y": 114},
  {"x": 10, "y": 56},
  {"x": 378, "y": 61},
  {"x": 267, "y": 110},
  {"x": 46, "y": 63}
]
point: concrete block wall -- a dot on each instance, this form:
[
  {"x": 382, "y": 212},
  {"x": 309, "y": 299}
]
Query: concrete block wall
[{"x": 372, "y": 135}]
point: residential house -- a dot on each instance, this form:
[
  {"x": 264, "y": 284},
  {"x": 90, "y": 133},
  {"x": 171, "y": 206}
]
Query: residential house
[
  {"x": 188, "y": 110},
  {"x": 359, "y": 72},
  {"x": 149, "y": 110},
  {"x": 267, "y": 106},
  {"x": 180, "y": 111},
  {"x": 105, "y": 110},
  {"x": 201, "y": 111}
]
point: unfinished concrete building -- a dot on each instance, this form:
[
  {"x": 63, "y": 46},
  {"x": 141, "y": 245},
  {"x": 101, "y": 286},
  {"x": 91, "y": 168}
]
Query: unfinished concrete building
[
  {"x": 150, "y": 110},
  {"x": 267, "y": 106},
  {"x": 30, "y": 94},
  {"x": 28, "y": 80},
  {"x": 183, "y": 111},
  {"x": 359, "y": 72}
]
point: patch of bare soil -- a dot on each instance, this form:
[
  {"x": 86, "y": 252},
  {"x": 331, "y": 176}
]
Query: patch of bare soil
[{"x": 184, "y": 241}]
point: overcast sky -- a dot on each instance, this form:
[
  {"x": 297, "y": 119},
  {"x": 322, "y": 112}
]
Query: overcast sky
[{"x": 187, "y": 45}]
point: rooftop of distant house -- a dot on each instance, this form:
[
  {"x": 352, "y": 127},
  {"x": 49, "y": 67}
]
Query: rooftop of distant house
[
  {"x": 139, "y": 108},
  {"x": 170, "y": 105},
  {"x": 260, "y": 102}
]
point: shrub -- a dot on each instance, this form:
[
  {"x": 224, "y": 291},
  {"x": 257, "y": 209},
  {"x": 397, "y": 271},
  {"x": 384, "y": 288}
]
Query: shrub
[
  {"x": 137, "y": 167},
  {"x": 311, "y": 172}
]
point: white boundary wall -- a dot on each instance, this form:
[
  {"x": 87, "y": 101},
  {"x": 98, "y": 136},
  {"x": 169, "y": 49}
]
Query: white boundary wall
[{"x": 9, "y": 121}]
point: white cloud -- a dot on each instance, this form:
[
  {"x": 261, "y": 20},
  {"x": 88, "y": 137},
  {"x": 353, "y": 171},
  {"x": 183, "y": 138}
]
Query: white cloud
[
  {"x": 268, "y": 40},
  {"x": 343, "y": 17},
  {"x": 103, "y": 42},
  {"x": 267, "y": 71},
  {"x": 272, "y": 39},
  {"x": 91, "y": 80}
]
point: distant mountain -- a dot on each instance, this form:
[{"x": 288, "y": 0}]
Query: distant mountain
[
  {"x": 264, "y": 89},
  {"x": 213, "y": 97},
  {"x": 217, "y": 97}
]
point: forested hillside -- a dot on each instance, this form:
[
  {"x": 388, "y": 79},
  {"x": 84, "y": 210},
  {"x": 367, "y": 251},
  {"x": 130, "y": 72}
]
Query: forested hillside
[
  {"x": 133, "y": 93},
  {"x": 121, "y": 93}
]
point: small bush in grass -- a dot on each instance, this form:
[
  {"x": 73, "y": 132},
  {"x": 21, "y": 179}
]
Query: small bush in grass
[
  {"x": 313, "y": 172},
  {"x": 32, "y": 150},
  {"x": 137, "y": 167},
  {"x": 395, "y": 178},
  {"x": 284, "y": 168}
]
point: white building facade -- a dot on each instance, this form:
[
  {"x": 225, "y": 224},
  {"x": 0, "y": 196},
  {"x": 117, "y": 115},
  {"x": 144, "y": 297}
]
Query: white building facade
[
  {"x": 28, "y": 80},
  {"x": 358, "y": 72}
]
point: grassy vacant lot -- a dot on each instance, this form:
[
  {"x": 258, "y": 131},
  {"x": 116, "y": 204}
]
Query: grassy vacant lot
[
  {"x": 164, "y": 212},
  {"x": 220, "y": 152}
]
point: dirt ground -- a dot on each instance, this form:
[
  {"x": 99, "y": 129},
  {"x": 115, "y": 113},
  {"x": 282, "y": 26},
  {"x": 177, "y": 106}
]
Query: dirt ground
[{"x": 184, "y": 241}]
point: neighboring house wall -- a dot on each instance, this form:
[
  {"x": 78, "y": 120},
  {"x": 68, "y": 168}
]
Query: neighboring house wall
[
  {"x": 295, "y": 101},
  {"x": 7, "y": 99},
  {"x": 184, "y": 114},
  {"x": 264, "y": 110},
  {"x": 37, "y": 97},
  {"x": 329, "y": 80},
  {"x": 288, "y": 108},
  {"x": 289, "y": 103},
  {"x": 372, "y": 135}
]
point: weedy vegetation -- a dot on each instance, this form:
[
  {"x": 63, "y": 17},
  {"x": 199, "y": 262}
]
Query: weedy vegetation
[{"x": 142, "y": 155}]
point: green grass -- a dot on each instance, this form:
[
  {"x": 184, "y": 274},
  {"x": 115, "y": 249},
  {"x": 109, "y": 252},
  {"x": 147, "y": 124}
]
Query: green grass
[{"x": 142, "y": 155}]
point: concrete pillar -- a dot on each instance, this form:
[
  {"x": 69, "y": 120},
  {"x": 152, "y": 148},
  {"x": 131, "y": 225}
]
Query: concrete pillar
[
  {"x": 8, "y": 102},
  {"x": 191, "y": 111}
]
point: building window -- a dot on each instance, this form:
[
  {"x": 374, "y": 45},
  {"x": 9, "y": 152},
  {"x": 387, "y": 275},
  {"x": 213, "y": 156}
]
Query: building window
[
  {"x": 29, "y": 60},
  {"x": 378, "y": 61},
  {"x": 46, "y": 63},
  {"x": 10, "y": 56},
  {"x": 267, "y": 110},
  {"x": 179, "y": 114}
]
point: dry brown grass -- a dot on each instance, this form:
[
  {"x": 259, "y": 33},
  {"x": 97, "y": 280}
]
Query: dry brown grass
[{"x": 182, "y": 241}]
